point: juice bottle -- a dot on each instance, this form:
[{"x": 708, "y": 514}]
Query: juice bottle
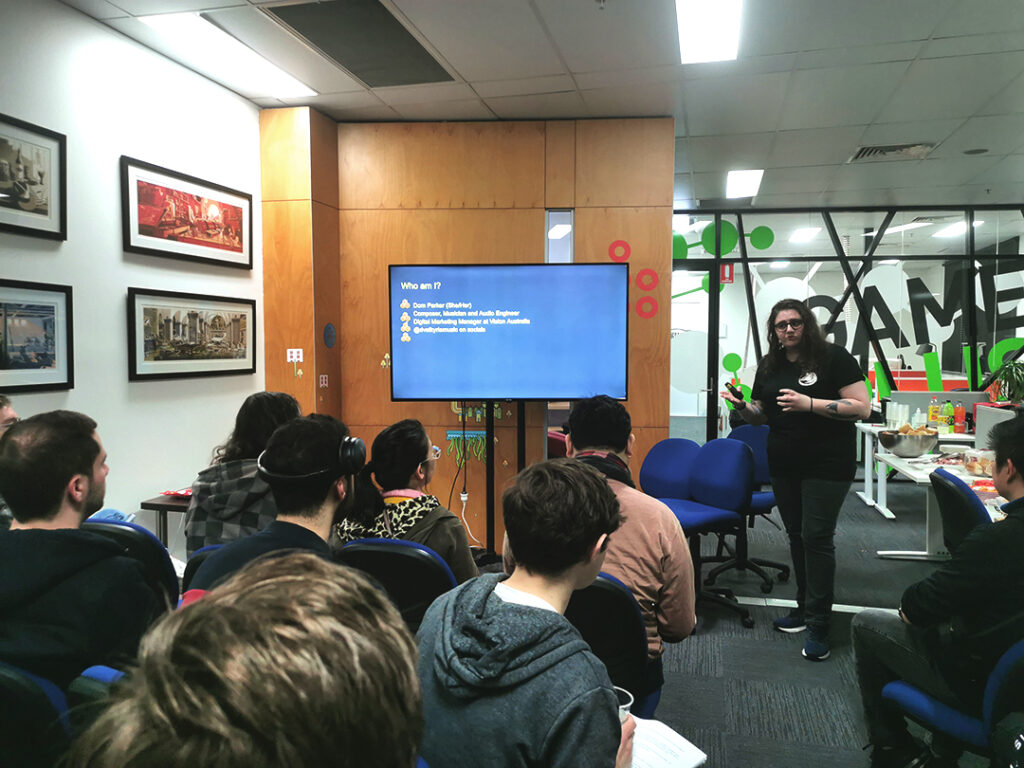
[
  {"x": 933, "y": 413},
  {"x": 948, "y": 417},
  {"x": 959, "y": 418}
]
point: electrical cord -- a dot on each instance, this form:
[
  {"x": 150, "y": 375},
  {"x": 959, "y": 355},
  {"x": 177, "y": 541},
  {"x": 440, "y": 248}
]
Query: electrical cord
[{"x": 464, "y": 495}]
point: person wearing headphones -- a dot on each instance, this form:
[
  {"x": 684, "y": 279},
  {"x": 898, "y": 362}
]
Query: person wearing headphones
[{"x": 310, "y": 465}]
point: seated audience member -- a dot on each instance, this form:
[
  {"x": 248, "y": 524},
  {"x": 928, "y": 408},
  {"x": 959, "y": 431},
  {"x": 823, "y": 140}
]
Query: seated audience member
[
  {"x": 8, "y": 418},
  {"x": 403, "y": 461},
  {"x": 229, "y": 500},
  {"x": 507, "y": 680},
  {"x": 309, "y": 464},
  {"x": 648, "y": 553},
  {"x": 981, "y": 587},
  {"x": 294, "y": 661},
  {"x": 68, "y": 598}
]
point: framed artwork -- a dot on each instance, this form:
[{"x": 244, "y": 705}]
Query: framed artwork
[
  {"x": 179, "y": 335},
  {"x": 36, "y": 337},
  {"x": 165, "y": 213},
  {"x": 33, "y": 180}
]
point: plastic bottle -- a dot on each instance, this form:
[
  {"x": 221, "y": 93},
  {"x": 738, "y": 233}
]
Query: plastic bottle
[
  {"x": 959, "y": 415},
  {"x": 933, "y": 413},
  {"x": 948, "y": 417},
  {"x": 919, "y": 419}
]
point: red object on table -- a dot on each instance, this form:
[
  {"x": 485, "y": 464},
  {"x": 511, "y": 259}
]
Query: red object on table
[{"x": 183, "y": 493}]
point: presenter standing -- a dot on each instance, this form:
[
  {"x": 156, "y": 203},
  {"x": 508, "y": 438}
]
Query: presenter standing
[{"x": 809, "y": 392}]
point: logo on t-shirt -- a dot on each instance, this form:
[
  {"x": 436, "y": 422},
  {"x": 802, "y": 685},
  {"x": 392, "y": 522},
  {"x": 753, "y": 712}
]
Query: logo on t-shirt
[{"x": 808, "y": 379}]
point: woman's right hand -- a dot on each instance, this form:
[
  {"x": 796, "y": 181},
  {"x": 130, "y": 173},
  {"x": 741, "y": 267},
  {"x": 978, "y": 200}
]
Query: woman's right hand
[{"x": 727, "y": 395}]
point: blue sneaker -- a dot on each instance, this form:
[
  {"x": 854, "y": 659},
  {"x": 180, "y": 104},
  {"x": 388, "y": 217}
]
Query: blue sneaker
[
  {"x": 791, "y": 623},
  {"x": 816, "y": 646}
]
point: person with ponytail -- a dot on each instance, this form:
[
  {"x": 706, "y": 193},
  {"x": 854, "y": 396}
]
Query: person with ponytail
[
  {"x": 809, "y": 392},
  {"x": 397, "y": 506}
]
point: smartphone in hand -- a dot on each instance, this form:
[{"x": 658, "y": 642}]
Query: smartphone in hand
[{"x": 735, "y": 392}]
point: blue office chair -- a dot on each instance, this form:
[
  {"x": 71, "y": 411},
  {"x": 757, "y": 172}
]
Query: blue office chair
[
  {"x": 720, "y": 482},
  {"x": 609, "y": 619},
  {"x": 88, "y": 695},
  {"x": 665, "y": 473},
  {"x": 34, "y": 727},
  {"x": 197, "y": 559},
  {"x": 959, "y": 506},
  {"x": 142, "y": 545},
  {"x": 972, "y": 733},
  {"x": 761, "y": 503},
  {"x": 412, "y": 574}
]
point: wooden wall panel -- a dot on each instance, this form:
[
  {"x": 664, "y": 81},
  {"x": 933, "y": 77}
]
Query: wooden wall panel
[
  {"x": 284, "y": 154},
  {"x": 288, "y": 303},
  {"x": 323, "y": 145},
  {"x": 560, "y": 164},
  {"x": 441, "y": 165},
  {"x": 370, "y": 241},
  {"x": 624, "y": 162},
  {"x": 327, "y": 307}
]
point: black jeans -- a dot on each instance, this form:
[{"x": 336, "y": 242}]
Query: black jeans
[{"x": 809, "y": 508}]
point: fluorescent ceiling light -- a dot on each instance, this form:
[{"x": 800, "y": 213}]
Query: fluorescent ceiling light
[
  {"x": 804, "y": 234},
  {"x": 900, "y": 228},
  {"x": 743, "y": 183},
  {"x": 681, "y": 224},
  {"x": 955, "y": 229},
  {"x": 209, "y": 49},
  {"x": 709, "y": 30},
  {"x": 889, "y": 262},
  {"x": 559, "y": 231},
  {"x": 779, "y": 264}
]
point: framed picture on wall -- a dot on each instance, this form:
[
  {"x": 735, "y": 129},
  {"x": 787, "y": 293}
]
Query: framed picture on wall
[
  {"x": 33, "y": 180},
  {"x": 165, "y": 213},
  {"x": 179, "y": 335},
  {"x": 36, "y": 337}
]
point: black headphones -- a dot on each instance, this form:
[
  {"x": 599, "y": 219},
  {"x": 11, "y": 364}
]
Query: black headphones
[{"x": 351, "y": 457}]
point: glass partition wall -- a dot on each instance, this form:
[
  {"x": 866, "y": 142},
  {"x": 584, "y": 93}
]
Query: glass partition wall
[{"x": 920, "y": 297}]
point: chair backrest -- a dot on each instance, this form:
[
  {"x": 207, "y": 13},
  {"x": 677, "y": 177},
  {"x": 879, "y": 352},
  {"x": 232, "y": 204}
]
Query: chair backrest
[
  {"x": 665, "y": 473},
  {"x": 140, "y": 544},
  {"x": 412, "y": 574},
  {"x": 959, "y": 506},
  {"x": 609, "y": 619},
  {"x": 1003, "y": 691},
  {"x": 34, "y": 727},
  {"x": 556, "y": 444},
  {"x": 723, "y": 475},
  {"x": 757, "y": 438},
  {"x": 194, "y": 562}
]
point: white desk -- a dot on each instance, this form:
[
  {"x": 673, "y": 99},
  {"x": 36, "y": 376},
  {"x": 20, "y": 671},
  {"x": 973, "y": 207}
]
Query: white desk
[
  {"x": 935, "y": 548},
  {"x": 873, "y": 451}
]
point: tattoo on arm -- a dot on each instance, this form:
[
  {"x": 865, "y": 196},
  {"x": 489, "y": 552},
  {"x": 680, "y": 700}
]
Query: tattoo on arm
[{"x": 832, "y": 411}]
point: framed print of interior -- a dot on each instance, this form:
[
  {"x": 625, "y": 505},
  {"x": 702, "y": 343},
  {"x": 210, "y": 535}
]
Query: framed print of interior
[
  {"x": 36, "y": 337},
  {"x": 165, "y": 213},
  {"x": 180, "y": 335},
  {"x": 33, "y": 180}
]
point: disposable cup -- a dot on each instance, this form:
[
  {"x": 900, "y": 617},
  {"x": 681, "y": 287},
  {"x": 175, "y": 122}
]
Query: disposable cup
[{"x": 625, "y": 702}]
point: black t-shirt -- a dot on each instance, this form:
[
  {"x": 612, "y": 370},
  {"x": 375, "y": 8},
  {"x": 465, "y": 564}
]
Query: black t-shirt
[{"x": 803, "y": 444}]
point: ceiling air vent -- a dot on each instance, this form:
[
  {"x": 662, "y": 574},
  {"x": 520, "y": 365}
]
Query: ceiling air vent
[{"x": 892, "y": 152}]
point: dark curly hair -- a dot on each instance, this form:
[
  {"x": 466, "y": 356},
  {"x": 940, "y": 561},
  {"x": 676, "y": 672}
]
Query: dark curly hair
[
  {"x": 259, "y": 416},
  {"x": 813, "y": 347}
]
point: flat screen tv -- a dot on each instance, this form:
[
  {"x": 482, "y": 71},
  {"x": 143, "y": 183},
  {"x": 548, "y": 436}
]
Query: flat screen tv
[{"x": 508, "y": 331}]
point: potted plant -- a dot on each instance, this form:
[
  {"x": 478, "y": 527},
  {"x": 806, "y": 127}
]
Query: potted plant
[{"x": 1011, "y": 380}]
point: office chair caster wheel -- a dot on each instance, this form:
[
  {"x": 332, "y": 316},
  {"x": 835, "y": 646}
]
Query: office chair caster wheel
[
  {"x": 747, "y": 622},
  {"x": 766, "y": 587}
]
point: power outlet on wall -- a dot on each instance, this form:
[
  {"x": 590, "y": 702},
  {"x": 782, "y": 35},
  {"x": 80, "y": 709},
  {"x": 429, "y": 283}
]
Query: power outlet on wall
[
  {"x": 294, "y": 355},
  {"x": 323, "y": 381}
]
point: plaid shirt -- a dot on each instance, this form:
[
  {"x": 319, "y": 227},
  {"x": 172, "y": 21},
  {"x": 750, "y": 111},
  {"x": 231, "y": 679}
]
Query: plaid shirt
[{"x": 229, "y": 502}]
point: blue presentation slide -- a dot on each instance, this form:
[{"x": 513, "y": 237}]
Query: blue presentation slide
[{"x": 520, "y": 332}]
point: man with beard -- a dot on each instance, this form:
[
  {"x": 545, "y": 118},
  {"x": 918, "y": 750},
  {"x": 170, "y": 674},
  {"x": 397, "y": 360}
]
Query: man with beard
[
  {"x": 68, "y": 598},
  {"x": 309, "y": 465}
]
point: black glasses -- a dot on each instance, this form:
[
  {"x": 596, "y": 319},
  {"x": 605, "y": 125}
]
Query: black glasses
[{"x": 796, "y": 325}]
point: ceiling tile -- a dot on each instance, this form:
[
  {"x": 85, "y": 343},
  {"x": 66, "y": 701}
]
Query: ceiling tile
[
  {"x": 720, "y": 154},
  {"x": 382, "y": 113},
  {"x": 485, "y": 39},
  {"x": 707, "y": 185},
  {"x": 954, "y": 87},
  {"x": 275, "y": 43},
  {"x": 913, "y": 132},
  {"x": 268, "y": 103},
  {"x": 468, "y": 109},
  {"x": 682, "y": 155},
  {"x": 651, "y": 100},
  {"x": 98, "y": 9},
  {"x": 794, "y": 200},
  {"x": 733, "y": 104},
  {"x": 815, "y": 146},
  {"x": 544, "y": 106},
  {"x": 682, "y": 189},
  {"x": 619, "y": 35},
  {"x": 348, "y": 100},
  {"x": 792, "y": 180},
  {"x": 946, "y": 172},
  {"x": 421, "y": 94},
  {"x": 976, "y": 17},
  {"x": 621, "y": 77},
  {"x": 858, "y": 54},
  {"x": 1007, "y": 170},
  {"x": 870, "y": 175},
  {"x": 820, "y": 98},
  {"x": 1009, "y": 100},
  {"x": 147, "y": 7},
  {"x": 524, "y": 87},
  {"x": 744, "y": 66},
  {"x": 968, "y": 45},
  {"x": 1000, "y": 134}
]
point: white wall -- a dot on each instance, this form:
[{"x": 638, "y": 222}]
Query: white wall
[{"x": 112, "y": 97}]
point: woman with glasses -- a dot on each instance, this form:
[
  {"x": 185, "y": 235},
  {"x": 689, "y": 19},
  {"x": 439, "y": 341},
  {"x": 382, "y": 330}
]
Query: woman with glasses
[
  {"x": 809, "y": 392},
  {"x": 402, "y": 459}
]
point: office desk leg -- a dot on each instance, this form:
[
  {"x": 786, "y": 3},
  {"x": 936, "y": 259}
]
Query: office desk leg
[
  {"x": 882, "y": 504},
  {"x": 936, "y": 549},
  {"x": 161, "y": 526},
  {"x": 869, "y": 456}
]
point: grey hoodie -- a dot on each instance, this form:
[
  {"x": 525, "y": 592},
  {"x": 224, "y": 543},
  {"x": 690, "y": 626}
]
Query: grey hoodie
[
  {"x": 229, "y": 501},
  {"x": 511, "y": 685}
]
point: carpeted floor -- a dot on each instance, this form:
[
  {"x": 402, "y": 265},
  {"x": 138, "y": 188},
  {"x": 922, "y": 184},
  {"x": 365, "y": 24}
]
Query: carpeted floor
[{"x": 748, "y": 698}]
